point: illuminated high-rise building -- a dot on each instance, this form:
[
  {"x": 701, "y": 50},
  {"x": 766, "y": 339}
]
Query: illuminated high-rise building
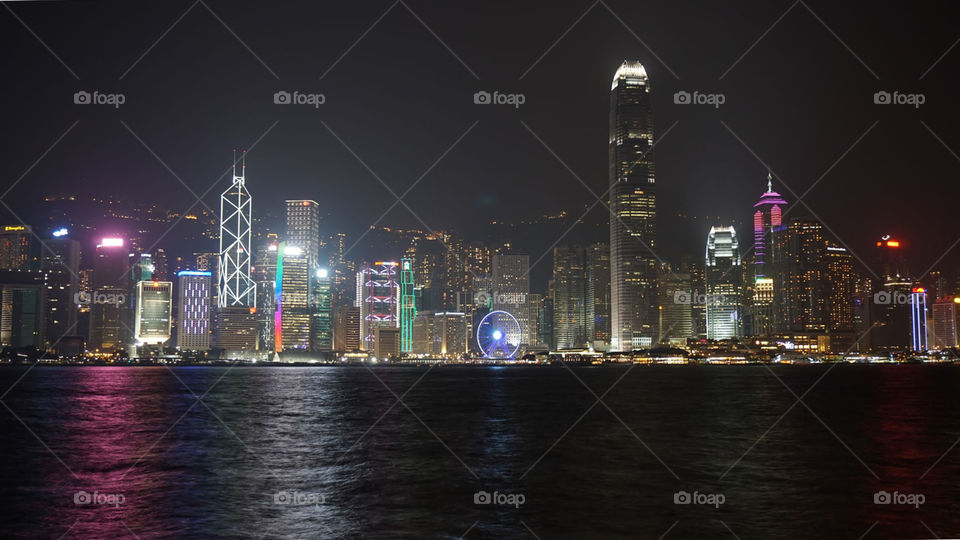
[
  {"x": 292, "y": 323},
  {"x": 236, "y": 287},
  {"x": 194, "y": 308},
  {"x": 598, "y": 279},
  {"x": 723, "y": 279},
  {"x": 946, "y": 316},
  {"x": 891, "y": 301},
  {"x": 799, "y": 275},
  {"x": 840, "y": 283},
  {"x": 571, "y": 324},
  {"x": 378, "y": 295},
  {"x": 767, "y": 221},
  {"x": 16, "y": 247},
  {"x": 676, "y": 294},
  {"x": 510, "y": 287},
  {"x": 918, "y": 319},
  {"x": 152, "y": 312},
  {"x": 767, "y": 217},
  {"x": 322, "y": 340},
  {"x": 109, "y": 299},
  {"x": 633, "y": 220},
  {"x": 303, "y": 229},
  {"x": 408, "y": 308}
]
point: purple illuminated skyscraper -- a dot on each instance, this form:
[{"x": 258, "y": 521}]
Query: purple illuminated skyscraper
[{"x": 766, "y": 218}]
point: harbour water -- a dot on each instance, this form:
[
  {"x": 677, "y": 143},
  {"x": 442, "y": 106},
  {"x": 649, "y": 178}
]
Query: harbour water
[{"x": 481, "y": 452}]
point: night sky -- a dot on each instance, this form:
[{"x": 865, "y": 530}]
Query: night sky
[{"x": 402, "y": 96}]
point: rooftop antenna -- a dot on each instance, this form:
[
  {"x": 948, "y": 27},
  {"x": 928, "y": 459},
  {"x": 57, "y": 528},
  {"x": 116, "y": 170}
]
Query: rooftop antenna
[
  {"x": 769, "y": 181},
  {"x": 244, "y": 168},
  {"x": 234, "y": 162}
]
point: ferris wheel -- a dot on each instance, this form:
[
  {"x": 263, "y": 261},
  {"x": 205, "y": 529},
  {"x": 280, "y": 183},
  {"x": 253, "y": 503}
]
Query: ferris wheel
[{"x": 498, "y": 335}]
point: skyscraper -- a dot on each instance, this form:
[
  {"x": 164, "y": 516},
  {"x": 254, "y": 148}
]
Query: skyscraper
[
  {"x": 15, "y": 247},
  {"x": 237, "y": 289},
  {"x": 800, "y": 302},
  {"x": 378, "y": 294},
  {"x": 408, "y": 308},
  {"x": 193, "y": 322},
  {"x": 633, "y": 220},
  {"x": 918, "y": 319},
  {"x": 570, "y": 321},
  {"x": 723, "y": 276},
  {"x": 303, "y": 229},
  {"x": 511, "y": 285},
  {"x": 946, "y": 331},
  {"x": 598, "y": 276},
  {"x": 292, "y": 326},
  {"x": 322, "y": 340},
  {"x": 109, "y": 298},
  {"x": 152, "y": 312},
  {"x": 767, "y": 220}
]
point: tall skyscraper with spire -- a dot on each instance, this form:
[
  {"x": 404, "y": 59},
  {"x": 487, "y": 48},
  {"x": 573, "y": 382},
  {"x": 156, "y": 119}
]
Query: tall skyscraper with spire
[
  {"x": 237, "y": 288},
  {"x": 633, "y": 223},
  {"x": 767, "y": 216},
  {"x": 759, "y": 317}
]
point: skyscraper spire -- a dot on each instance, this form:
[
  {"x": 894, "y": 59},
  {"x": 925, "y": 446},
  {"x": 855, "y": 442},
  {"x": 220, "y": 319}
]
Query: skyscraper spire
[
  {"x": 769, "y": 182},
  {"x": 235, "y": 284}
]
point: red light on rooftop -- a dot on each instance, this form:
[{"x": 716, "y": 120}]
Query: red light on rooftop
[
  {"x": 253, "y": 310},
  {"x": 305, "y": 203},
  {"x": 919, "y": 290},
  {"x": 893, "y": 243}
]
